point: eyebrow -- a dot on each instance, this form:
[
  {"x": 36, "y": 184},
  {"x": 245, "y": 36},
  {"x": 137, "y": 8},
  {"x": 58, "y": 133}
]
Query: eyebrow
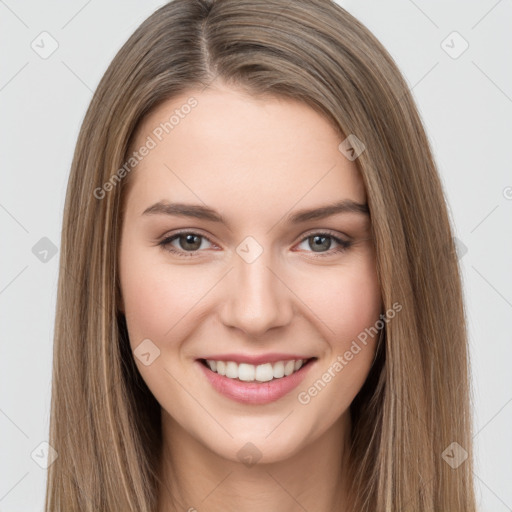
[{"x": 205, "y": 213}]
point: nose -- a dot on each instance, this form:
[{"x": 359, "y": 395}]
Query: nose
[{"x": 257, "y": 297}]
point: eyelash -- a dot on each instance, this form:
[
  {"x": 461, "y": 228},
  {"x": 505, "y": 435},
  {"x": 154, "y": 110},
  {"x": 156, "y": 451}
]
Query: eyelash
[{"x": 343, "y": 244}]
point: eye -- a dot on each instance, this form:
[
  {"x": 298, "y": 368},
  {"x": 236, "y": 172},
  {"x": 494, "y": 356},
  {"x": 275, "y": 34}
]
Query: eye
[
  {"x": 319, "y": 241},
  {"x": 188, "y": 243}
]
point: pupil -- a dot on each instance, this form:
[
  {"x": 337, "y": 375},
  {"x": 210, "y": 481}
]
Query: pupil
[
  {"x": 189, "y": 239},
  {"x": 317, "y": 244}
]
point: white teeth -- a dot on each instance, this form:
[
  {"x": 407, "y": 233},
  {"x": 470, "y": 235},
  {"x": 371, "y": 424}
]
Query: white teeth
[
  {"x": 245, "y": 372},
  {"x": 264, "y": 372},
  {"x": 289, "y": 367},
  {"x": 221, "y": 367},
  {"x": 250, "y": 373},
  {"x": 231, "y": 370},
  {"x": 278, "y": 370}
]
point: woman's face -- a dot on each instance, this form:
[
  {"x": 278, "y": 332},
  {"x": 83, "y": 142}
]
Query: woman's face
[{"x": 235, "y": 274}]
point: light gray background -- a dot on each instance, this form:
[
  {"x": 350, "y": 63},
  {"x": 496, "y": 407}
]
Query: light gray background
[{"x": 466, "y": 106}]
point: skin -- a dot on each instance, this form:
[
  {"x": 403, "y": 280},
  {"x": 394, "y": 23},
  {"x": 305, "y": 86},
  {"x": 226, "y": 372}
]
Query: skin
[{"x": 253, "y": 160}]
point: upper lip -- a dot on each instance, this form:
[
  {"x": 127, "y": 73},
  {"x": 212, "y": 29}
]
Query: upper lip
[{"x": 256, "y": 359}]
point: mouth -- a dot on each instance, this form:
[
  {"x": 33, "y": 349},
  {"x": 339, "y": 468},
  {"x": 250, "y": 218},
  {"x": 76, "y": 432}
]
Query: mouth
[
  {"x": 255, "y": 384},
  {"x": 266, "y": 372}
]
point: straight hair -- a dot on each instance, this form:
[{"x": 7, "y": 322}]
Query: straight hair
[{"x": 105, "y": 423}]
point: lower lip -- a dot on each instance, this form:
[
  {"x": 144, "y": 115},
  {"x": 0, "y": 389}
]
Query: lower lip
[{"x": 255, "y": 393}]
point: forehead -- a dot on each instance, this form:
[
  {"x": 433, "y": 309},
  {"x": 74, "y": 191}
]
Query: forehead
[{"x": 224, "y": 147}]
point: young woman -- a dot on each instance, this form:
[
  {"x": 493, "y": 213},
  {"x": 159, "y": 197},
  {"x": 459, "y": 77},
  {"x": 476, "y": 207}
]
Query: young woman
[{"x": 259, "y": 301}]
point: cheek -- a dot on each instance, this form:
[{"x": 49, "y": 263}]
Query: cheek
[
  {"x": 152, "y": 300},
  {"x": 344, "y": 301},
  {"x": 354, "y": 317},
  {"x": 348, "y": 307},
  {"x": 357, "y": 307}
]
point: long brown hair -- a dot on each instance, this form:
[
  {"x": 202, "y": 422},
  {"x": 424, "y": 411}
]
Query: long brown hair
[{"x": 105, "y": 423}]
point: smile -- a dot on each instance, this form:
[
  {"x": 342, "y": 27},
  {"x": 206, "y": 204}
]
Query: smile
[
  {"x": 249, "y": 372},
  {"x": 255, "y": 384}
]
